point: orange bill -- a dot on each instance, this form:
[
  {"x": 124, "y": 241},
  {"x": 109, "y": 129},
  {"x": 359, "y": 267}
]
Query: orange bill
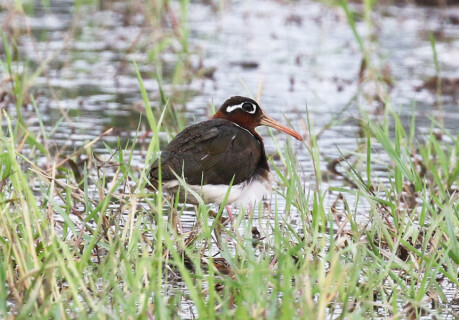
[{"x": 270, "y": 122}]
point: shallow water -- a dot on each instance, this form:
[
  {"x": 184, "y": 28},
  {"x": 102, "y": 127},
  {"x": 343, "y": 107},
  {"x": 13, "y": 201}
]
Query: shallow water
[{"x": 300, "y": 55}]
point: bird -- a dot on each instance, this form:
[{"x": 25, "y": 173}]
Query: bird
[{"x": 212, "y": 155}]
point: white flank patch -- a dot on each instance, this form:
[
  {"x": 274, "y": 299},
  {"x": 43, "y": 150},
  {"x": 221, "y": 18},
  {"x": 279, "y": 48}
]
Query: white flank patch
[
  {"x": 241, "y": 195},
  {"x": 170, "y": 184}
]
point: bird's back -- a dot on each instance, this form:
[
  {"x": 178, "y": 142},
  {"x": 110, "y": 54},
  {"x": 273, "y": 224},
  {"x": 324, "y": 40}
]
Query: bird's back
[{"x": 210, "y": 152}]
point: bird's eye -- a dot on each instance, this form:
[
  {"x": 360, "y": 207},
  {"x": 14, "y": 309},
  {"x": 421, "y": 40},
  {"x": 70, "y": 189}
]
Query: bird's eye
[{"x": 247, "y": 107}]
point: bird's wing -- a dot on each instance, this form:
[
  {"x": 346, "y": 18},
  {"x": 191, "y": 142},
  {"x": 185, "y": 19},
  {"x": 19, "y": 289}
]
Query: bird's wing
[{"x": 211, "y": 152}]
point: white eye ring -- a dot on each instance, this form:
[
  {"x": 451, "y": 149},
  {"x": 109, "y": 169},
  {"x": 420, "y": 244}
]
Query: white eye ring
[{"x": 239, "y": 106}]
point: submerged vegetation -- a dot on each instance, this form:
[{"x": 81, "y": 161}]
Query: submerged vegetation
[{"x": 375, "y": 235}]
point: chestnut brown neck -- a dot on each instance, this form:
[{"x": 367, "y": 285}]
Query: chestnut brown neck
[{"x": 245, "y": 122}]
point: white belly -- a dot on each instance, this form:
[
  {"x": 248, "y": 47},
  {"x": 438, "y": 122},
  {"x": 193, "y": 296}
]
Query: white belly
[{"x": 242, "y": 194}]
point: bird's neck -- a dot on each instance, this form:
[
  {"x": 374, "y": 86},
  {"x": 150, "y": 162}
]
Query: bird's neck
[{"x": 242, "y": 122}]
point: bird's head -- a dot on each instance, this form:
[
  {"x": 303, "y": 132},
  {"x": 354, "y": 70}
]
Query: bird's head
[{"x": 246, "y": 113}]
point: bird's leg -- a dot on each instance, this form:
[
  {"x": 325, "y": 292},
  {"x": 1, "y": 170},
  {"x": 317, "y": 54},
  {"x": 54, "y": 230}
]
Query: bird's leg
[
  {"x": 145, "y": 135},
  {"x": 250, "y": 211},
  {"x": 230, "y": 213}
]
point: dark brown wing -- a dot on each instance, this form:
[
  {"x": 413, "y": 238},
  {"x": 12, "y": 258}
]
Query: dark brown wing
[{"x": 210, "y": 152}]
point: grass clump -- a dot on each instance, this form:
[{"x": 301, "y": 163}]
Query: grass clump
[{"x": 97, "y": 244}]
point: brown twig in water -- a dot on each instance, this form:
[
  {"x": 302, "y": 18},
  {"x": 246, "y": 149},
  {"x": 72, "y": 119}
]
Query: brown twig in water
[{"x": 79, "y": 151}]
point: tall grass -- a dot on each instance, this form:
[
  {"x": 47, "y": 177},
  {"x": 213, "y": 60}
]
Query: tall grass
[{"x": 90, "y": 241}]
